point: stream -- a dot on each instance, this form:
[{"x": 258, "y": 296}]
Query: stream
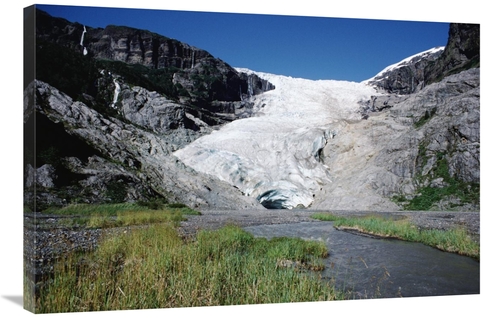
[{"x": 367, "y": 268}]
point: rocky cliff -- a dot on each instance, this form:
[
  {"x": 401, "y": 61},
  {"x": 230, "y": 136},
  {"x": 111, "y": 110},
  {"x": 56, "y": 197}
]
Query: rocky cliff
[
  {"x": 461, "y": 53},
  {"x": 407, "y": 76},
  {"x": 414, "y": 73},
  {"x": 191, "y": 75}
]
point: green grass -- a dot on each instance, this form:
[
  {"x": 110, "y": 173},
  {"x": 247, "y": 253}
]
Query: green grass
[
  {"x": 424, "y": 119},
  {"x": 90, "y": 209},
  {"x": 427, "y": 196},
  {"x": 456, "y": 240},
  {"x": 154, "y": 268},
  {"x": 120, "y": 214}
]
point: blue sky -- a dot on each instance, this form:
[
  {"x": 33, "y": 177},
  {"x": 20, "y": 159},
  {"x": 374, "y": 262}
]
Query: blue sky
[{"x": 307, "y": 47}]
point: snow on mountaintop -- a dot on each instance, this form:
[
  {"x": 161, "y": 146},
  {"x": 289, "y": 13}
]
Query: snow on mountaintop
[
  {"x": 402, "y": 63},
  {"x": 275, "y": 155}
]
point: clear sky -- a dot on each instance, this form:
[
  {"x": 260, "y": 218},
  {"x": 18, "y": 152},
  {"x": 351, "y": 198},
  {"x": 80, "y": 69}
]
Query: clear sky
[{"x": 307, "y": 47}]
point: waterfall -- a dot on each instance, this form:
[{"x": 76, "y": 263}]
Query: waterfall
[
  {"x": 192, "y": 60},
  {"x": 250, "y": 86},
  {"x": 81, "y": 41},
  {"x": 83, "y": 34},
  {"x": 117, "y": 92}
]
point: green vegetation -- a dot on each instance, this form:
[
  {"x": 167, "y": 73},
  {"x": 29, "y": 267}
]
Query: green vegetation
[
  {"x": 207, "y": 82},
  {"x": 66, "y": 69},
  {"x": 153, "y": 267},
  {"x": 89, "y": 209},
  {"x": 427, "y": 116},
  {"x": 456, "y": 240},
  {"x": 50, "y": 155},
  {"x": 74, "y": 74},
  {"x": 428, "y": 196},
  {"x": 121, "y": 214},
  {"x": 159, "y": 80},
  {"x": 116, "y": 191}
]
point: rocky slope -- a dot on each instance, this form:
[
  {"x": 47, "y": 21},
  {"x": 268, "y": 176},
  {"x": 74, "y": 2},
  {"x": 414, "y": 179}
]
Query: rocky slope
[
  {"x": 125, "y": 115},
  {"x": 422, "y": 150},
  {"x": 124, "y": 162}
]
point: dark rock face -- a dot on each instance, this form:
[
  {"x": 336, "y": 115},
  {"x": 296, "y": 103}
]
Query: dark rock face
[
  {"x": 199, "y": 78},
  {"x": 408, "y": 77},
  {"x": 461, "y": 53},
  {"x": 135, "y": 46}
]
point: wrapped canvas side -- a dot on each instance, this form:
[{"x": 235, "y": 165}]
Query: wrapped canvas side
[{"x": 29, "y": 164}]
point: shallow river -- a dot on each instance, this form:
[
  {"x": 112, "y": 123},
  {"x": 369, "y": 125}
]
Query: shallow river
[{"x": 365, "y": 267}]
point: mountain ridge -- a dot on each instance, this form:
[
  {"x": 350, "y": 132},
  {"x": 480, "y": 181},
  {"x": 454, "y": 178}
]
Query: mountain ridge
[{"x": 191, "y": 75}]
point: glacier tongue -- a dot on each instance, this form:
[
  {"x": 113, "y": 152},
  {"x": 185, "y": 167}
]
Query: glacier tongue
[{"x": 275, "y": 156}]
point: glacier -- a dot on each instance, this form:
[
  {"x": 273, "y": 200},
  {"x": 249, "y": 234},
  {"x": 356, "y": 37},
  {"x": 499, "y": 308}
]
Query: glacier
[{"x": 275, "y": 156}]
